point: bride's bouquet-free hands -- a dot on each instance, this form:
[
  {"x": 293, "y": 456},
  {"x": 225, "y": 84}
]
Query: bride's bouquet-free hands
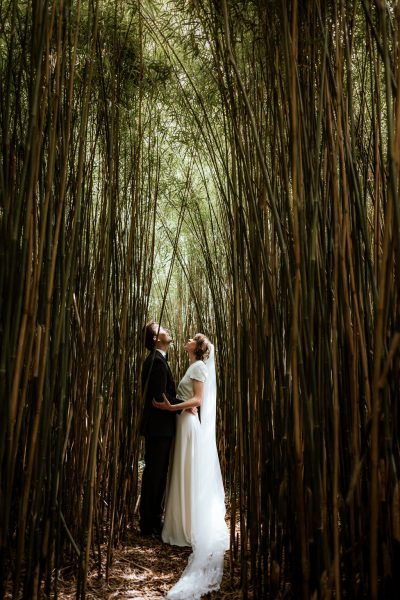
[{"x": 166, "y": 405}]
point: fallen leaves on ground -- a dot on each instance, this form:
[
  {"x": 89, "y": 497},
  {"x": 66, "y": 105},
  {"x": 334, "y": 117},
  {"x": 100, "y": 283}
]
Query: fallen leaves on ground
[{"x": 143, "y": 568}]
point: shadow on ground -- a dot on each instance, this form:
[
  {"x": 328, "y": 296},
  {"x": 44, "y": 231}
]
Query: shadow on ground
[{"x": 145, "y": 569}]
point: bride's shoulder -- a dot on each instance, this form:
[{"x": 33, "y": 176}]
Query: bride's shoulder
[
  {"x": 198, "y": 364},
  {"x": 198, "y": 370}
]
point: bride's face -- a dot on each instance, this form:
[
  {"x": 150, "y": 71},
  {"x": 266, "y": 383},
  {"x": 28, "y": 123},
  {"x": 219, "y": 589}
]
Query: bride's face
[{"x": 190, "y": 345}]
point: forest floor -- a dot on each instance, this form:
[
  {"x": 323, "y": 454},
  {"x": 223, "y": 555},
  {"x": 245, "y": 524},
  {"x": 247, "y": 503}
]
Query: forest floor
[{"x": 145, "y": 569}]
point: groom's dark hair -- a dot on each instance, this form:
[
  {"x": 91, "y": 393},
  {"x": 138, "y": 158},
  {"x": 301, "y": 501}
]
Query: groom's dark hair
[{"x": 149, "y": 331}]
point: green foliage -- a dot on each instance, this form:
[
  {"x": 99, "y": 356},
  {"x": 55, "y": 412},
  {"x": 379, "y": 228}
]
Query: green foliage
[{"x": 229, "y": 167}]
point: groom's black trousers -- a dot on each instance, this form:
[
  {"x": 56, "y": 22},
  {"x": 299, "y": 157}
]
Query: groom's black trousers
[{"x": 156, "y": 455}]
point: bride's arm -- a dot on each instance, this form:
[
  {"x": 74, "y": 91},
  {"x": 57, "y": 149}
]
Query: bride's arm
[{"x": 196, "y": 400}]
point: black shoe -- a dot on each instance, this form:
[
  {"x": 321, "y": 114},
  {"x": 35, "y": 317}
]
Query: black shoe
[
  {"x": 146, "y": 532},
  {"x": 156, "y": 532}
]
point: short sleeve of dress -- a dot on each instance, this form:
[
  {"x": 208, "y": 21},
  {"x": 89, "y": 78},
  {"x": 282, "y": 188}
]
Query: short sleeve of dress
[{"x": 199, "y": 371}]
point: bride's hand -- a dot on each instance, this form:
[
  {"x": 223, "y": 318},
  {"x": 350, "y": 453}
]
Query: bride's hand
[{"x": 164, "y": 405}]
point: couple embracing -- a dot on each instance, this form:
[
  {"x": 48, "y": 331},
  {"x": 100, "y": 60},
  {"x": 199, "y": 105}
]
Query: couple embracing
[{"x": 194, "y": 500}]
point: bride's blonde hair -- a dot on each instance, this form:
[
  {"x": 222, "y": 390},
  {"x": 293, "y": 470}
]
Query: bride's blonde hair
[{"x": 203, "y": 346}]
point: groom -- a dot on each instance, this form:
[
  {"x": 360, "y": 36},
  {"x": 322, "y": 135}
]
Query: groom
[{"x": 157, "y": 427}]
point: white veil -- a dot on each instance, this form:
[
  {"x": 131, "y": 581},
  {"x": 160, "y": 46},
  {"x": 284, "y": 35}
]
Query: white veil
[{"x": 210, "y": 535}]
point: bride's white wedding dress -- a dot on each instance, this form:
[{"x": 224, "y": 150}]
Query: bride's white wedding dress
[
  {"x": 180, "y": 504},
  {"x": 195, "y": 505}
]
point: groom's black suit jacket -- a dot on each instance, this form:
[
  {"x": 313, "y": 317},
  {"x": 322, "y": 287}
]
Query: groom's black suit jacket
[{"x": 157, "y": 374}]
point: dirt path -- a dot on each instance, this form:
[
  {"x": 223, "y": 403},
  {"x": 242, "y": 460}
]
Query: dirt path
[{"x": 143, "y": 569}]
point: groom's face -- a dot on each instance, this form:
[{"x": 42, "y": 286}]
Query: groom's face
[{"x": 164, "y": 337}]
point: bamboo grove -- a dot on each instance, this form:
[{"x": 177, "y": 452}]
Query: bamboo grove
[
  {"x": 76, "y": 189},
  {"x": 232, "y": 167}
]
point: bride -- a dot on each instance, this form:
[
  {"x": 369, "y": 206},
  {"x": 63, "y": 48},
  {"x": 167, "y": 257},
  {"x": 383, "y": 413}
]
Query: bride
[{"x": 195, "y": 504}]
